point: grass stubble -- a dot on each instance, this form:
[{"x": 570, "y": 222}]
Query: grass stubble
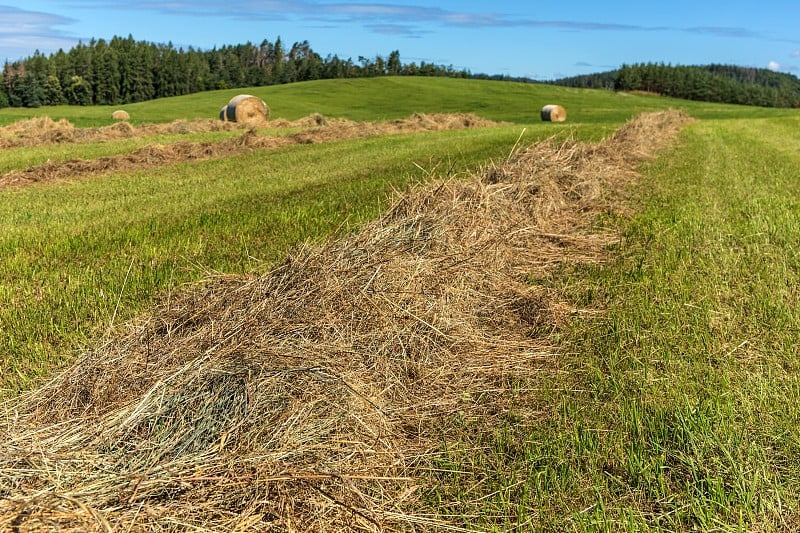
[
  {"x": 323, "y": 394},
  {"x": 674, "y": 407}
]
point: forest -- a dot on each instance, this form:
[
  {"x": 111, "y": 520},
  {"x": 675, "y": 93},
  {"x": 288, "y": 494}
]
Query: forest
[
  {"x": 124, "y": 70},
  {"x": 709, "y": 83}
]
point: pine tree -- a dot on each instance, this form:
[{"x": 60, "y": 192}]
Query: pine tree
[
  {"x": 53, "y": 94},
  {"x": 106, "y": 86},
  {"x": 32, "y": 91},
  {"x": 79, "y": 91},
  {"x": 393, "y": 64}
]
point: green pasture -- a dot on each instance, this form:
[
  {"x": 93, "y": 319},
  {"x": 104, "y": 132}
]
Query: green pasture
[
  {"x": 676, "y": 406},
  {"x": 398, "y": 97},
  {"x": 674, "y": 403}
]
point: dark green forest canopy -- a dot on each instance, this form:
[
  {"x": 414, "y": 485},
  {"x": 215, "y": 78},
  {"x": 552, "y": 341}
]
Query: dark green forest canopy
[
  {"x": 124, "y": 70},
  {"x": 710, "y": 83}
]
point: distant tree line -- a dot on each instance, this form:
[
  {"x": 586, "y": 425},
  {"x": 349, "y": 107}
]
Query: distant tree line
[
  {"x": 124, "y": 70},
  {"x": 710, "y": 83}
]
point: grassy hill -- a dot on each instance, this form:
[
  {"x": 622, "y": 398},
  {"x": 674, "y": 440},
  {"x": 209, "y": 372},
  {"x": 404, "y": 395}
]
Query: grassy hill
[{"x": 396, "y": 97}]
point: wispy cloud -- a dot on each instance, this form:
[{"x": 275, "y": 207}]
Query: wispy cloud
[
  {"x": 23, "y": 31},
  {"x": 397, "y": 29},
  {"x": 375, "y": 15},
  {"x": 796, "y": 53},
  {"x": 586, "y": 64},
  {"x": 774, "y": 66},
  {"x": 721, "y": 31}
]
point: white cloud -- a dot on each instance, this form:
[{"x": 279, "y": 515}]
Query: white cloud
[
  {"x": 23, "y": 31},
  {"x": 774, "y": 66},
  {"x": 796, "y": 53}
]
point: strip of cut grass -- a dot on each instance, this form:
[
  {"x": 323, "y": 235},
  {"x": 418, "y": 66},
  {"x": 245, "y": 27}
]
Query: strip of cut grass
[
  {"x": 29, "y": 156},
  {"x": 677, "y": 408},
  {"x": 77, "y": 255},
  {"x": 21, "y": 158}
]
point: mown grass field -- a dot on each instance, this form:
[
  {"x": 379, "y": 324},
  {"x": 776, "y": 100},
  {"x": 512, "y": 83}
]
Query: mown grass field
[
  {"x": 673, "y": 405},
  {"x": 677, "y": 406}
]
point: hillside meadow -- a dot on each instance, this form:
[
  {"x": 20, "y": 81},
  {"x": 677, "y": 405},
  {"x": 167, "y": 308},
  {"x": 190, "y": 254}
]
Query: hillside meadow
[
  {"x": 670, "y": 403},
  {"x": 398, "y": 97}
]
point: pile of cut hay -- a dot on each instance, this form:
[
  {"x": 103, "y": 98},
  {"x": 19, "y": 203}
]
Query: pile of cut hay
[
  {"x": 309, "y": 398},
  {"x": 44, "y": 130},
  {"x": 36, "y": 130}
]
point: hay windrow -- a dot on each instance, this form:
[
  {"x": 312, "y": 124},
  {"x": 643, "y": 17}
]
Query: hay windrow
[
  {"x": 307, "y": 399},
  {"x": 315, "y": 129},
  {"x": 44, "y": 130}
]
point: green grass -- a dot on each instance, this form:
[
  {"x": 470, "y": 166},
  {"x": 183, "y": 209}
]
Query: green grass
[
  {"x": 678, "y": 409},
  {"x": 74, "y": 255},
  {"x": 397, "y": 97},
  {"x": 675, "y": 410}
]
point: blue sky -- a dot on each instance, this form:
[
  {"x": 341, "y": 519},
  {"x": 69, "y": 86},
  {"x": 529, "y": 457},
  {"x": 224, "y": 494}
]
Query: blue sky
[{"x": 537, "y": 39}]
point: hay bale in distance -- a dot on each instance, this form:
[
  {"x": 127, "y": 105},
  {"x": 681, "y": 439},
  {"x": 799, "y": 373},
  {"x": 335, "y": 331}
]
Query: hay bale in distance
[
  {"x": 247, "y": 109},
  {"x": 554, "y": 113},
  {"x": 223, "y": 113},
  {"x": 119, "y": 114}
]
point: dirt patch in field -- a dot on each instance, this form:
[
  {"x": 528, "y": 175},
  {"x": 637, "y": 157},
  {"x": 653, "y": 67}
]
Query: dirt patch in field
[
  {"x": 316, "y": 129},
  {"x": 310, "y": 398}
]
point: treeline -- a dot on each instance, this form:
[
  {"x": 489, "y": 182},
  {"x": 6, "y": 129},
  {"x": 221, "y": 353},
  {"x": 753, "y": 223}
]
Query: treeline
[
  {"x": 124, "y": 70},
  {"x": 710, "y": 83}
]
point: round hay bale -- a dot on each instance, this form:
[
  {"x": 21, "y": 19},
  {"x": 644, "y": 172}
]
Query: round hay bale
[
  {"x": 554, "y": 113},
  {"x": 223, "y": 113},
  {"x": 247, "y": 109},
  {"x": 119, "y": 114}
]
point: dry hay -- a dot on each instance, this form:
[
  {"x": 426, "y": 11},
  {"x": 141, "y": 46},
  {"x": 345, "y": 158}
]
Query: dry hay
[
  {"x": 309, "y": 398},
  {"x": 442, "y": 121},
  {"x": 316, "y": 129},
  {"x": 119, "y": 114},
  {"x": 247, "y": 109},
  {"x": 41, "y": 131},
  {"x": 553, "y": 113},
  {"x": 147, "y": 157},
  {"x": 44, "y": 130}
]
